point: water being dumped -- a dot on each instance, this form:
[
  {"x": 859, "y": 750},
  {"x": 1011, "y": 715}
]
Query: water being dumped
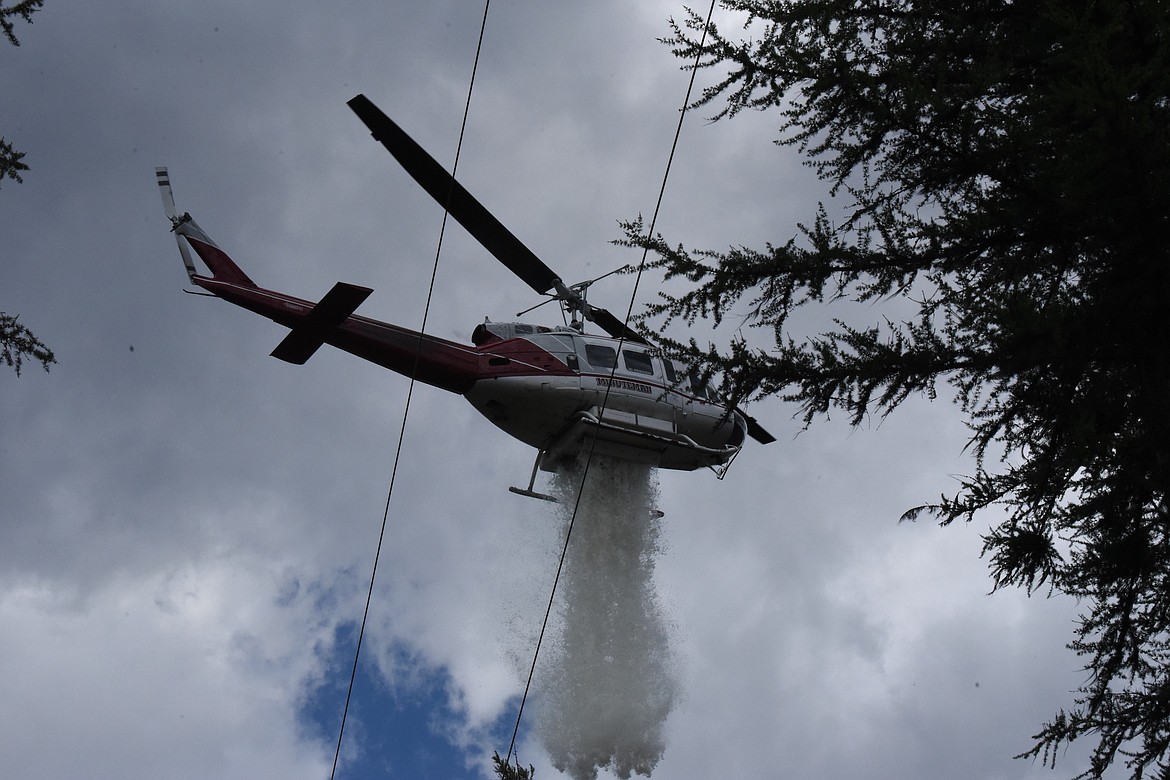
[{"x": 607, "y": 680}]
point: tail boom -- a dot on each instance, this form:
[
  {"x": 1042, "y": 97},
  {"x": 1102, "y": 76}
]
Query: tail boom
[{"x": 444, "y": 364}]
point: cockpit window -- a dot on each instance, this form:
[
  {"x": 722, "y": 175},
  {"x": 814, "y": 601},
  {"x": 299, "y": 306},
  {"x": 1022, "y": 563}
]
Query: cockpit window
[
  {"x": 638, "y": 362},
  {"x": 601, "y": 356}
]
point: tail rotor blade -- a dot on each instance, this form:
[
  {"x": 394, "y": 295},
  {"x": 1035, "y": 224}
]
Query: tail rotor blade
[{"x": 168, "y": 199}]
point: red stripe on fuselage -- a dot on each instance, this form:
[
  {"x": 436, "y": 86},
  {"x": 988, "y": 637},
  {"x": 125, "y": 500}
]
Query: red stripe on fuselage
[
  {"x": 448, "y": 365},
  {"x": 223, "y": 268},
  {"x": 518, "y": 357}
]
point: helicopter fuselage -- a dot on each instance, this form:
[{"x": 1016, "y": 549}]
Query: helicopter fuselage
[
  {"x": 554, "y": 389},
  {"x": 559, "y": 390}
]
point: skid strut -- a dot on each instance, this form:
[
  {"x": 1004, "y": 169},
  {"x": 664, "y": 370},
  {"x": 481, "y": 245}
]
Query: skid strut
[{"x": 532, "y": 480}]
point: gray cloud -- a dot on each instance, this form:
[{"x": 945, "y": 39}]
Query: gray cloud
[{"x": 187, "y": 523}]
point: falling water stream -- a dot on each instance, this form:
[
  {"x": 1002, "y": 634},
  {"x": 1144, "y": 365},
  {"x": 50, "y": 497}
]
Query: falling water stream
[{"x": 608, "y": 682}]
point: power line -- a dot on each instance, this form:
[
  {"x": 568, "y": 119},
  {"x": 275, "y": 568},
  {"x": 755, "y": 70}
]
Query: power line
[
  {"x": 409, "y": 395},
  {"x": 605, "y": 397}
]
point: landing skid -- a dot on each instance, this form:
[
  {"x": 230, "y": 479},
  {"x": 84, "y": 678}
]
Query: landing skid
[
  {"x": 532, "y": 480},
  {"x": 655, "y": 513}
]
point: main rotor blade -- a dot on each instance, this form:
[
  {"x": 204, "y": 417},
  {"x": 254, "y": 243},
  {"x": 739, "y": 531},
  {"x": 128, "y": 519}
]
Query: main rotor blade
[
  {"x": 755, "y": 430},
  {"x": 460, "y": 204},
  {"x": 613, "y": 326}
]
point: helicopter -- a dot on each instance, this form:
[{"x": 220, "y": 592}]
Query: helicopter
[{"x": 558, "y": 389}]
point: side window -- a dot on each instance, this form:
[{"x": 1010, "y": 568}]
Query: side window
[
  {"x": 671, "y": 376},
  {"x": 698, "y": 384},
  {"x": 638, "y": 362},
  {"x": 601, "y": 356}
]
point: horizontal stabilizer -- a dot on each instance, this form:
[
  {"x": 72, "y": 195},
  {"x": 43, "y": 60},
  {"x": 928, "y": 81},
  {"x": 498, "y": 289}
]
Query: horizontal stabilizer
[{"x": 332, "y": 310}]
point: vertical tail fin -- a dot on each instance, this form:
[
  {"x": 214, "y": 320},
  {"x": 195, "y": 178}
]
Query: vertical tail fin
[{"x": 222, "y": 267}]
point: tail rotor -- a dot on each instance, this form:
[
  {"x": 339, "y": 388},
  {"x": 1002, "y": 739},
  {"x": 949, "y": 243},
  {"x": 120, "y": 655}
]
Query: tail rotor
[{"x": 168, "y": 199}]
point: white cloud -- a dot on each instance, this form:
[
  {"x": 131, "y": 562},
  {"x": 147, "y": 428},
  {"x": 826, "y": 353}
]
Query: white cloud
[{"x": 187, "y": 673}]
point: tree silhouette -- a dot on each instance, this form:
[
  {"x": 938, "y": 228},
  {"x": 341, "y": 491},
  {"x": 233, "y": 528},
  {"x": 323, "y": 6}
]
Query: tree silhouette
[
  {"x": 1005, "y": 168},
  {"x": 16, "y": 341}
]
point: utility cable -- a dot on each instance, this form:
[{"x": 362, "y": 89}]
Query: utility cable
[
  {"x": 609, "y": 385},
  {"x": 409, "y": 394}
]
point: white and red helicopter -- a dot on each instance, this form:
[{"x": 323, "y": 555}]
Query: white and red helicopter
[{"x": 557, "y": 389}]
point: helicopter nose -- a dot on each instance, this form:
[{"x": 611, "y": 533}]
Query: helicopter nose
[{"x": 740, "y": 433}]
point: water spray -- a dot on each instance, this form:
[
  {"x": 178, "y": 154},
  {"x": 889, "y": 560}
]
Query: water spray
[{"x": 609, "y": 682}]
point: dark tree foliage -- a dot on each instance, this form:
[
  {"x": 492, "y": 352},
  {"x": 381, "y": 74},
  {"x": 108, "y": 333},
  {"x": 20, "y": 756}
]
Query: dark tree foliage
[
  {"x": 505, "y": 770},
  {"x": 16, "y": 341},
  {"x": 24, "y": 9},
  {"x": 1006, "y": 170},
  {"x": 10, "y": 164}
]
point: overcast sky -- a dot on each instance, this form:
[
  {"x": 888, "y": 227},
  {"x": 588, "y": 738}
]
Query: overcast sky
[{"x": 187, "y": 525}]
